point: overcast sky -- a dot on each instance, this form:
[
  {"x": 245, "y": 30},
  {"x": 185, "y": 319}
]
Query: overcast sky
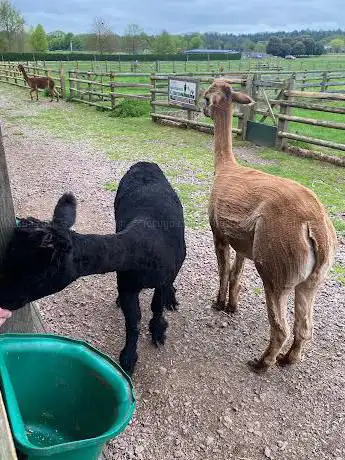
[{"x": 182, "y": 16}]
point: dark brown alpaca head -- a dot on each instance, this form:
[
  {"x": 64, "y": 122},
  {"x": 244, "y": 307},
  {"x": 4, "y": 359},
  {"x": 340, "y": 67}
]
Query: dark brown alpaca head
[
  {"x": 219, "y": 96},
  {"x": 21, "y": 68}
]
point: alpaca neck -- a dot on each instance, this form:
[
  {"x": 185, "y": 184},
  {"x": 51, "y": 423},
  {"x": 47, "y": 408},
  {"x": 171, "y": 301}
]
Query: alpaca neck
[
  {"x": 100, "y": 253},
  {"x": 223, "y": 154},
  {"x": 26, "y": 78}
]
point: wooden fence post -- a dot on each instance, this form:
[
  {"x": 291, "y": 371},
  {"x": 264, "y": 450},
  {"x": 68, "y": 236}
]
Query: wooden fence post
[
  {"x": 89, "y": 87},
  {"x": 27, "y": 318},
  {"x": 248, "y": 112},
  {"x": 76, "y": 75},
  {"x": 153, "y": 95},
  {"x": 62, "y": 82},
  {"x": 71, "y": 74},
  {"x": 325, "y": 80},
  {"x": 112, "y": 91},
  {"x": 283, "y": 125}
]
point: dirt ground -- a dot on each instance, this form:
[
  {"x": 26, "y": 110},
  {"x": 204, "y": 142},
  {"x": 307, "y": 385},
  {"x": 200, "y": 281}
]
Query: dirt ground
[{"x": 197, "y": 399}]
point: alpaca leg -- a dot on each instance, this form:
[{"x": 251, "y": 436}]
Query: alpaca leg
[
  {"x": 31, "y": 91},
  {"x": 223, "y": 258},
  {"x": 129, "y": 302},
  {"x": 36, "y": 94},
  {"x": 51, "y": 94},
  {"x": 56, "y": 95},
  {"x": 158, "y": 323},
  {"x": 305, "y": 294},
  {"x": 234, "y": 281},
  {"x": 276, "y": 301}
]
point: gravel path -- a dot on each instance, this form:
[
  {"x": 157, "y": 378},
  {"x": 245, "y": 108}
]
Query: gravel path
[{"x": 197, "y": 399}]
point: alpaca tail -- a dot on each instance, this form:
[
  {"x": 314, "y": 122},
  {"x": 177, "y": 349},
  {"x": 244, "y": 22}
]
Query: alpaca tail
[
  {"x": 52, "y": 90},
  {"x": 324, "y": 244}
]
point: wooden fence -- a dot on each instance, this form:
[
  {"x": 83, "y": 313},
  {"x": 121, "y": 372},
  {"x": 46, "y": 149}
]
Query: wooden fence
[
  {"x": 280, "y": 96},
  {"x": 9, "y": 74},
  {"x": 273, "y": 119},
  {"x": 103, "y": 89}
]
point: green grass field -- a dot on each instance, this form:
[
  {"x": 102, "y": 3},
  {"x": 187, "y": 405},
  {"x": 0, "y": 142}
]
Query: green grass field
[
  {"x": 185, "y": 155},
  {"x": 326, "y": 62}
]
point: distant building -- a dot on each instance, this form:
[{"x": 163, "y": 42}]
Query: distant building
[
  {"x": 254, "y": 55},
  {"x": 204, "y": 51}
]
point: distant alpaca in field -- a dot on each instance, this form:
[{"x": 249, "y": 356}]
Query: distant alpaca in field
[
  {"x": 36, "y": 83},
  {"x": 146, "y": 252},
  {"x": 277, "y": 223}
]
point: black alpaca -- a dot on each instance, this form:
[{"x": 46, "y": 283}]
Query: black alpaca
[{"x": 147, "y": 251}]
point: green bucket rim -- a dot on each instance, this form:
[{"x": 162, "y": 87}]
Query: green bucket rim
[{"x": 21, "y": 439}]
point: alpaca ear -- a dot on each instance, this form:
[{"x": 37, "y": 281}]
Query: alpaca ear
[
  {"x": 65, "y": 211},
  {"x": 241, "y": 98}
]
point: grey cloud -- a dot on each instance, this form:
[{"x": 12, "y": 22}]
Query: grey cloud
[{"x": 180, "y": 16}]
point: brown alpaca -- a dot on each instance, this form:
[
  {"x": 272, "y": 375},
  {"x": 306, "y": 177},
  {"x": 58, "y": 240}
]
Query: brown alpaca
[
  {"x": 36, "y": 83},
  {"x": 277, "y": 223}
]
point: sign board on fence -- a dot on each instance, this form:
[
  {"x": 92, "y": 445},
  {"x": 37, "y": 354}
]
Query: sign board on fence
[{"x": 184, "y": 92}]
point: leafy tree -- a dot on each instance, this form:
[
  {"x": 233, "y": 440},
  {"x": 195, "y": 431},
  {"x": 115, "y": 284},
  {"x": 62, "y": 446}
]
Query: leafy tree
[
  {"x": 247, "y": 45},
  {"x": 164, "y": 44},
  {"x": 309, "y": 44},
  {"x": 11, "y": 25},
  {"x": 337, "y": 44},
  {"x": 298, "y": 49},
  {"x": 38, "y": 39},
  {"x": 319, "y": 49},
  {"x": 196, "y": 41},
  {"x": 274, "y": 46},
  {"x": 285, "y": 49},
  {"x": 260, "y": 47}
]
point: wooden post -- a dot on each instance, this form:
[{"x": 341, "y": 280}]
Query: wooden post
[
  {"x": 71, "y": 74},
  {"x": 153, "y": 95},
  {"x": 112, "y": 91},
  {"x": 76, "y": 75},
  {"x": 283, "y": 125},
  {"x": 248, "y": 112},
  {"x": 89, "y": 87},
  {"x": 27, "y": 318},
  {"x": 325, "y": 80},
  {"x": 62, "y": 81}
]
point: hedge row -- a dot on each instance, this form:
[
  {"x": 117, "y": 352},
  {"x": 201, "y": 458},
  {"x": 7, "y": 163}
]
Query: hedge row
[{"x": 117, "y": 57}]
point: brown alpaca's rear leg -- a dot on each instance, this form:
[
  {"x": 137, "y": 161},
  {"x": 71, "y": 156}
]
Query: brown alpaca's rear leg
[
  {"x": 223, "y": 257},
  {"x": 305, "y": 294},
  {"x": 36, "y": 94},
  {"x": 234, "y": 281},
  {"x": 276, "y": 301},
  {"x": 51, "y": 93}
]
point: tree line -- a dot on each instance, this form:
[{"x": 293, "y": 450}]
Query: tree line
[{"x": 14, "y": 36}]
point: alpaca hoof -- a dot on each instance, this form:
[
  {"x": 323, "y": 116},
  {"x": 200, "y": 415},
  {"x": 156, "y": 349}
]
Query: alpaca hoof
[
  {"x": 157, "y": 329},
  {"x": 286, "y": 360},
  {"x": 258, "y": 366},
  {"x": 231, "y": 307},
  {"x": 219, "y": 305},
  {"x": 127, "y": 362},
  {"x": 172, "y": 307},
  {"x": 160, "y": 340}
]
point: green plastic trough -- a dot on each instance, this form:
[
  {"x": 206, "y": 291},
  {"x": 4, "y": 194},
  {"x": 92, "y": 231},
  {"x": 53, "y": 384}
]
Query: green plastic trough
[{"x": 64, "y": 398}]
